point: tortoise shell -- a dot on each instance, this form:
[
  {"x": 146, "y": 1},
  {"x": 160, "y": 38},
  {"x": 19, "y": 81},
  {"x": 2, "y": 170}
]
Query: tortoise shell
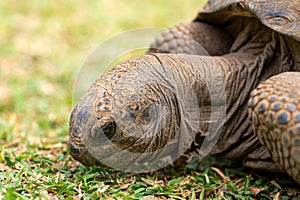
[{"x": 278, "y": 15}]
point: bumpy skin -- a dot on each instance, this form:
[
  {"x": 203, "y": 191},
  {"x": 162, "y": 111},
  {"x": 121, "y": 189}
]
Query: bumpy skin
[
  {"x": 190, "y": 38},
  {"x": 260, "y": 49},
  {"x": 274, "y": 110}
]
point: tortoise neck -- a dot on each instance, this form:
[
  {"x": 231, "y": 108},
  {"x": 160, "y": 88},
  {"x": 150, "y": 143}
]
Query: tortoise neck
[{"x": 294, "y": 48}]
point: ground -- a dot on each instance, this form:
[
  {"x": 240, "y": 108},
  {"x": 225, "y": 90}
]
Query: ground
[{"x": 43, "y": 44}]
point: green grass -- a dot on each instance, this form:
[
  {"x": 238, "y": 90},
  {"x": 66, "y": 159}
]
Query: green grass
[{"x": 43, "y": 44}]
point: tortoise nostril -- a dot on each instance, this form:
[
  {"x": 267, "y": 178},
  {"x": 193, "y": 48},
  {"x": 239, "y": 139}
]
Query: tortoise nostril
[{"x": 109, "y": 129}]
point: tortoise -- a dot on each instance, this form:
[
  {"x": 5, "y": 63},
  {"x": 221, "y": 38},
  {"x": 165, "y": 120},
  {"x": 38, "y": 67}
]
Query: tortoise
[{"x": 238, "y": 56}]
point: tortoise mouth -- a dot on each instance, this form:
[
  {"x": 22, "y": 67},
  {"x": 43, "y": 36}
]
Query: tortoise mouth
[{"x": 82, "y": 155}]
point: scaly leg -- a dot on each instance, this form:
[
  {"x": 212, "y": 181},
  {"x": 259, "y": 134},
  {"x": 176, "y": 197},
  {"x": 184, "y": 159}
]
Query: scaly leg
[
  {"x": 275, "y": 117},
  {"x": 193, "y": 38}
]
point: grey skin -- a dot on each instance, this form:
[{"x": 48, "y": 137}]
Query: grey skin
[{"x": 254, "y": 50}]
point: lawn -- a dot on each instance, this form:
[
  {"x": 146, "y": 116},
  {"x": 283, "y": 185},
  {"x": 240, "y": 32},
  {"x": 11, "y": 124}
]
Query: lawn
[{"x": 43, "y": 45}]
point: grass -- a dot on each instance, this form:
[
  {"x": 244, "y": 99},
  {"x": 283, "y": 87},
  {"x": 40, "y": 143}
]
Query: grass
[{"x": 43, "y": 44}]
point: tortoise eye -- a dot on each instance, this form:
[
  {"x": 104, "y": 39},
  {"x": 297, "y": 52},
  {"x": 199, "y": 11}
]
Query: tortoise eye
[
  {"x": 109, "y": 129},
  {"x": 146, "y": 115}
]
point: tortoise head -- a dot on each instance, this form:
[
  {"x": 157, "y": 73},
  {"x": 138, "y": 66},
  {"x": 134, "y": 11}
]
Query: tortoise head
[{"x": 125, "y": 117}]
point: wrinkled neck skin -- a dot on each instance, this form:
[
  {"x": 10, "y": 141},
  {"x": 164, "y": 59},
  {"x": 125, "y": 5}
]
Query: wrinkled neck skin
[
  {"x": 294, "y": 48},
  {"x": 257, "y": 54}
]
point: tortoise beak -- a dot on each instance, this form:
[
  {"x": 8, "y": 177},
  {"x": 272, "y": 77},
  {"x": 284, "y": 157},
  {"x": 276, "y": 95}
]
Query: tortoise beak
[
  {"x": 88, "y": 135},
  {"x": 82, "y": 155},
  {"x": 78, "y": 150}
]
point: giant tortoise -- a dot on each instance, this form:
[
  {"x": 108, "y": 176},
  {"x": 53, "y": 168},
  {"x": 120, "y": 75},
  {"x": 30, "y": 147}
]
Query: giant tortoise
[{"x": 238, "y": 56}]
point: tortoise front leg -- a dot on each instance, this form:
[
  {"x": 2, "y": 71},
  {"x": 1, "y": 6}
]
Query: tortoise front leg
[
  {"x": 193, "y": 38},
  {"x": 275, "y": 117}
]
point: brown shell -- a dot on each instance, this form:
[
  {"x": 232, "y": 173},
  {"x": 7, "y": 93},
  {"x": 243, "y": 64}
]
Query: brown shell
[{"x": 280, "y": 15}]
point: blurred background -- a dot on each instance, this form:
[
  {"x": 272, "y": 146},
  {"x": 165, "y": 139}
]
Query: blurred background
[{"x": 44, "y": 43}]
